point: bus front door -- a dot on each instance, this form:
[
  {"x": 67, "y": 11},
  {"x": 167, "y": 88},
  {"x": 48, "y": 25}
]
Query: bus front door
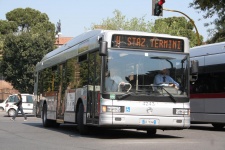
[{"x": 61, "y": 94}]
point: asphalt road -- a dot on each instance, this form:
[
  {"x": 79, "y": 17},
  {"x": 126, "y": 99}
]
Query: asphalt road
[{"x": 30, "y": 135}]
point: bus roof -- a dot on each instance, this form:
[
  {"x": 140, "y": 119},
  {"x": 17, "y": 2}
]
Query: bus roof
[
  {"x": 76, "y": 40},
  {"x": 208, "y": 49},
  {"x": 91, "y": 33},
  {"x": 93, "y": 36}
]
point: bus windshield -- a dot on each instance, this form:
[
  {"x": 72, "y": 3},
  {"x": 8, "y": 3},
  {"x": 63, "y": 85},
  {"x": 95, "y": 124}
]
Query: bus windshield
[{"x": 130, "y": 71}]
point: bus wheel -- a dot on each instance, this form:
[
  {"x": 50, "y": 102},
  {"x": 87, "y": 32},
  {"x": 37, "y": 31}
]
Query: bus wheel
[
  {"x": 218, "y": 125},
  {"x": 80, "y": 120},
  {"x": 46, "y": 122},
  {"x": 151, "y": 131}
]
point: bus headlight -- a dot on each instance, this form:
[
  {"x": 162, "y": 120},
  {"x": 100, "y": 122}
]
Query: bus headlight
[
  {"x": 112, "y": 109},
  {"x": 181, "y": 111}
]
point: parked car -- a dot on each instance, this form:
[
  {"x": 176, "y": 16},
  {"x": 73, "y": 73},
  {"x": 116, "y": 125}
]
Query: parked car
[
  {"x": 2, "y": 105},
  {"x": 27, "y": 104}
]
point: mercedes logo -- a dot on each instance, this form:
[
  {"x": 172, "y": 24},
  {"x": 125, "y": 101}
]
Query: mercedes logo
[{"x": 149, "y": 110}]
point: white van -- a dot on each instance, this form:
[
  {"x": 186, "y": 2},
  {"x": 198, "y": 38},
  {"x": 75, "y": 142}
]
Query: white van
[{"x": 27, "y": 104}]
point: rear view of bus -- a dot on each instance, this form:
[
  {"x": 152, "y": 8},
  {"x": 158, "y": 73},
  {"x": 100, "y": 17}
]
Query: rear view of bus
[{"x": 116, "y": 79}]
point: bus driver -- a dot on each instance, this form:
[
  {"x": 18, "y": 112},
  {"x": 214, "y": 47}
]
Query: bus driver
[{"x": 164, "y": 78}]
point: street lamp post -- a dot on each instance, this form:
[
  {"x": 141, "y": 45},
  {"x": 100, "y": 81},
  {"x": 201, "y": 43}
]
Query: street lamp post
[{"x": 189, "y": 19}]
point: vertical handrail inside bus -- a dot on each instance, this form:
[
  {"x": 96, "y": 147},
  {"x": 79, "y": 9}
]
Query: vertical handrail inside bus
[{"x": 137, "y": 78}]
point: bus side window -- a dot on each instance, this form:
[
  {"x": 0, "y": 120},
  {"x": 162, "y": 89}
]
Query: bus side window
[{"x": 204, "y": 86}]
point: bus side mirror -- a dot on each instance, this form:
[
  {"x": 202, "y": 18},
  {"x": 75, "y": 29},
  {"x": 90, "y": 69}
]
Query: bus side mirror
[
  {"x": 103, "y": 48},
  {"x": 194, "y": 67}
]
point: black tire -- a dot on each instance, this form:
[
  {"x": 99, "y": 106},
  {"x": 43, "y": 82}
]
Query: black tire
[
  {"x": 151, "y": 132},
  {"x": 46, "y": 122},
  {"x": 1, "y": 109},
  {"x": 11, "y": 112},
  {"x": 80, "y": 124},
  {"x": 218, "y": 125}
]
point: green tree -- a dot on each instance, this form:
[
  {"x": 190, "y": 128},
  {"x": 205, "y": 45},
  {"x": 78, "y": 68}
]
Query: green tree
[
  {"x": 21, "y": 53},
  {"x": 213, "y": 8},
  {"x": 1, "y": 47},
  {"x": 120, "y": 21},
  {"x": 177, "y": 26},
  {"x": 6, "y": 27},
  {"x": 33, "y": 37}
]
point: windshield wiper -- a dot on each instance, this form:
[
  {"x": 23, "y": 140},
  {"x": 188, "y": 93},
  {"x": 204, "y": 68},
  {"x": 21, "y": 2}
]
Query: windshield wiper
[
  {"x": 171, "y": 96},
  {"x": 124, "y": 96}
]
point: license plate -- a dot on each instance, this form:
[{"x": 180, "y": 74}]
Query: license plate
[{"x": 149, "y": 121}]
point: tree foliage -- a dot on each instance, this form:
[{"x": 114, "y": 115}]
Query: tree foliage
[
  {"x": 1, "y": 47},
  {"x": 213, "y": 8},
  {"x": 120, "y": 21},
  {"x": 177, "y": 26},
  {"x": 21, "y": 53},
  {"x": 6, "y": 27},
  {"x": 31, "y": 36},
  {"x": 30, "y": 20}
]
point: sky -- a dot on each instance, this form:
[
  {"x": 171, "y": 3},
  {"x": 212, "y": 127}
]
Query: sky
[{"x": 76, "y": 16}]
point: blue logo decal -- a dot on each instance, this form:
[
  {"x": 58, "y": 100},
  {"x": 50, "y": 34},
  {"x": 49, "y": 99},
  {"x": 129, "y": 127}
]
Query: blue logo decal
[{"x": 127, "y": 109}]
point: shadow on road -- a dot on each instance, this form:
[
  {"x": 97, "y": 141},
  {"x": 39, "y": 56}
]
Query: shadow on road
[
  {"x": 203, "y": 127},
  {"x": 101, "y": 133},
  {"x": 19, "y": 115}
]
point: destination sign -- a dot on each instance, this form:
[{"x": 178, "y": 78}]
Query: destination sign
[{"x": 148, "y": 42}]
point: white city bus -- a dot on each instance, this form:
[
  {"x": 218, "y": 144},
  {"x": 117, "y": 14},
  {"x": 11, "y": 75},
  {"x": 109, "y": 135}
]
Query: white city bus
[
  {"x": 70, "y": 84},
  {"x": 208, "y": 92}
]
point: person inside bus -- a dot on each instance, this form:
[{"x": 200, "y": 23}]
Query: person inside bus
[
  {"x": 113, "y": 80},
  {"x": 164, "y": 79}
]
